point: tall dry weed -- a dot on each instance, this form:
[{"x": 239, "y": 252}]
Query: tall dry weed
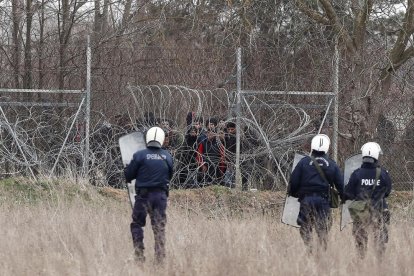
[
  {"x": 89, "y": 235},
  {"x": 81, "y": 237}
]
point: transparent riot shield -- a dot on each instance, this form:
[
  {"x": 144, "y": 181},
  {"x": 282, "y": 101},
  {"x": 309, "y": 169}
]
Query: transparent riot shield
[
  {"x": 129, "y": 144},
  {"x": 351, "y": 164},
  {"x": 292, "y": 205}
]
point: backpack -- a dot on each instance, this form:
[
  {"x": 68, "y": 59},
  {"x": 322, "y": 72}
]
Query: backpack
[{"x": 360, "y": 210}]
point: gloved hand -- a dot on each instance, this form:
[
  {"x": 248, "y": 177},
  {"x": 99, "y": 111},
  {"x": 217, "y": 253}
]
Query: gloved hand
[{"x": 125, "y": 169}]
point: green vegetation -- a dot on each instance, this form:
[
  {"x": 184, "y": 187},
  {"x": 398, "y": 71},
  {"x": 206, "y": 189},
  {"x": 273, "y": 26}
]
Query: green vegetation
[
  {"x": 212, "y": 200},
  {"x": 26, "y": 191}
]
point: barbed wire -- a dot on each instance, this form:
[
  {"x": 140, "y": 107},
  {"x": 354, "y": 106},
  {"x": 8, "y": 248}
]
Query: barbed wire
[
  {"x": 282, "y": 125},
  {"x": 42, "y": 132}
]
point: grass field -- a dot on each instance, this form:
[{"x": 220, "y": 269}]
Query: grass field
[{"x": 76, "y": 230}]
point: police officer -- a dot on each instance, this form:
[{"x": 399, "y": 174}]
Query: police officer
[
  {"x": 312, "y": 190},
  {"x": 361, "y": 186},
  {"x": 152, "y": 169}
]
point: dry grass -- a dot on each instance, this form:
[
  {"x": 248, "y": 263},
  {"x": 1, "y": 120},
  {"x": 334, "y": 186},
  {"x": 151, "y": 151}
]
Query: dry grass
[{"x": 91, "y": 237}]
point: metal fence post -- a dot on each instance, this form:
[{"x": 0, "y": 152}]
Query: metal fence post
[
  {"x": 87, "y": 108},
  {"x": 238, "y": 110},
  {"x": 336, "y": 103}
]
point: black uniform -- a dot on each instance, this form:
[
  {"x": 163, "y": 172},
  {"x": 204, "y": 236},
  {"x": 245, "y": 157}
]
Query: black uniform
[
  {"x": 361, "y": 187},
  {"x": 312, "y": 191},
  {"x": 152, "y": 169}
]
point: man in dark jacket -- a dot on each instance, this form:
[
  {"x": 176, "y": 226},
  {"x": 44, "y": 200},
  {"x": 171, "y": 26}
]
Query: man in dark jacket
[
  {"x": 361, "y": 186},
  {"x": 211, "y": 154},
  {"x": 152, "y": 169},
  {"x": 312, "y": 190},
  {"x": 187, "y": 158}
]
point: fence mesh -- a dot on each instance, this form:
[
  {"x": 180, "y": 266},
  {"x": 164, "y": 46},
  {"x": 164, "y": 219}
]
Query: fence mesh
[{"x": 128, "y": 93}]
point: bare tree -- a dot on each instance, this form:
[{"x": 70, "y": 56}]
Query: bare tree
[
  {"x": 354, "y": 23},
  {"x": 16, "y": 18},
  {"x": 68, "y": 15},
  {"x": 27, "y": 76},
  {"x": 40, "y": 48}
]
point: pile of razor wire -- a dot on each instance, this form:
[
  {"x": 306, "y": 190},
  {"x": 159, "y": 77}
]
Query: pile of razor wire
[
  {"x": 51, "y": 141},
  {"x": 271, "y": 131}
]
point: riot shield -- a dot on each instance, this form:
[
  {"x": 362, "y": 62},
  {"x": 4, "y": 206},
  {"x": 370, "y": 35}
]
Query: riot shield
[
  {"x": 129, "y": 144},
  {"x": 351, "y": 164},
  {"x": 292, "y": 205}
]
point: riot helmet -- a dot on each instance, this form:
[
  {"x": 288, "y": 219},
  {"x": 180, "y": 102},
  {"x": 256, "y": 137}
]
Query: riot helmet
[
  {"x": 371, "y": 149},
  {"x": 155, "y": 137},
  {"x": 320, "y": 142}
]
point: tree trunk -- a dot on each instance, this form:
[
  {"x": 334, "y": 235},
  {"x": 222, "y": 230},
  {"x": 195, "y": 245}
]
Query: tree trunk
[
  {"x": 16, "y": 42},
  {"x": 63, "y": 29},
  {"x": 41, "y": 46},
  {"x": 27, "y": 78}
]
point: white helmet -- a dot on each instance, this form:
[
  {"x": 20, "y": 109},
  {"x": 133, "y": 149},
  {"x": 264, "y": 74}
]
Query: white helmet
[
  {"x": 371, "y": 149},
  {"x": 321, "y": 142},
  {"x": 155, "y": 137}
]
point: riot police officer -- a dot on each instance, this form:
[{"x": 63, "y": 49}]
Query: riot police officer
[
  {"x": 152, "y": 169},
  {"x": 311, "y": 186},
  {"x": 362, "y": 187}
]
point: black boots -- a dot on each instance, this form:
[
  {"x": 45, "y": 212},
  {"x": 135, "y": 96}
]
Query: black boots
[{"x": 139, "y": 254}]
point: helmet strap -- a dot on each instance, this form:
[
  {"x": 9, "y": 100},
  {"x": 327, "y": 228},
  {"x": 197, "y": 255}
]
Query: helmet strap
[{"x": 368, "y": 159}]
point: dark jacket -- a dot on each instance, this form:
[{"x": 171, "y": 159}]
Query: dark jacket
[
  {"x": 305, "y": 179},
  {"x": 361, "y": 185},
  {"x": 211, "y": 152},
  {"x": 188, "y": 152},
  {"x": 230, "y": 143},
  {"x": 151, "y": 168}
]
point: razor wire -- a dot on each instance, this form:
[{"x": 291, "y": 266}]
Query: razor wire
[
  {"x": 52, "y": 142},
  {"x": 52, "y": 145},
  {"x": 179, "y": 110},
  {"x": 284, "y": 124},
  {"x": 283, "y": 127},
  {"x": 39, "y": 133}
]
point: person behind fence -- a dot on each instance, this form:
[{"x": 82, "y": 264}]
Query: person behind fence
[
  {"x": 187, "y": 166},
  {"x": 312, "y": 187},
  {"x": 211, "y": 154},
  {"x": 194, "y": 120},
  {"x": 368, "y": 187},
  {"x": 211, "y": 127},
  {"x": 152, "y": 169},
  {"x": 222, "y": 125},
  {"x": 173, "y": 138}
]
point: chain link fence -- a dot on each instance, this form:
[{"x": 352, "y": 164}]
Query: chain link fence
[{"x": 131, "y": 90}]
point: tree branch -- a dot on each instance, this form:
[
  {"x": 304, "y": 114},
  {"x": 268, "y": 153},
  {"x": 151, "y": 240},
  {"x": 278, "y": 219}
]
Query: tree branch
[
  {"x": 341, "y": 31},
  {"x": 360, "y": 23},
  {"x": 311, "y": 13},
  {"x": 406, "y": 55},
  {"x": 397, "y": 52},
  {"x": 331, "y": 18}
]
